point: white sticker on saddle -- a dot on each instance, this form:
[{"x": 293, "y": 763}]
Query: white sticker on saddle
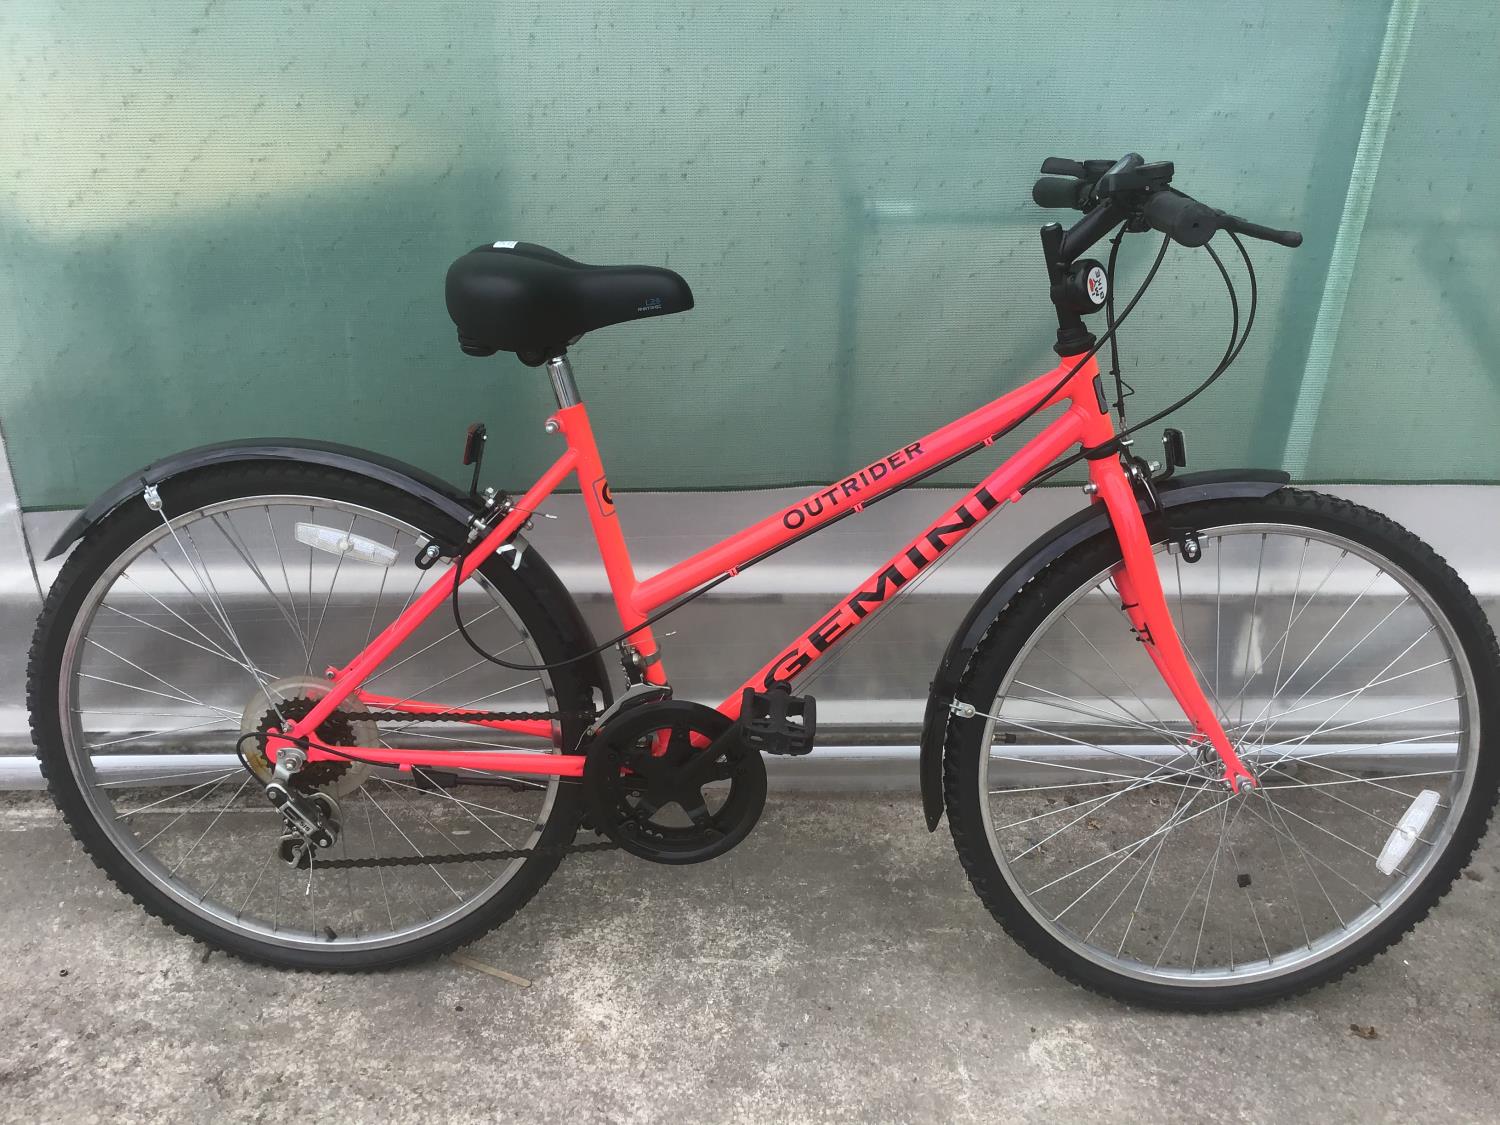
[{"x": 504, "y": 246}]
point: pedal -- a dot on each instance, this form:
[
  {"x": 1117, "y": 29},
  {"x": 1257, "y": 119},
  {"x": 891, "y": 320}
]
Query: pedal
[{"x": 778, "y": 722}]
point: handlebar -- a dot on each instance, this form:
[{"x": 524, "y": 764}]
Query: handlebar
[{"x": 1131, "y": 189}]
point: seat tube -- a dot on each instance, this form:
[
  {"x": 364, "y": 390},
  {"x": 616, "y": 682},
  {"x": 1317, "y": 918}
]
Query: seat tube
[{"x": 573, "y": 421}]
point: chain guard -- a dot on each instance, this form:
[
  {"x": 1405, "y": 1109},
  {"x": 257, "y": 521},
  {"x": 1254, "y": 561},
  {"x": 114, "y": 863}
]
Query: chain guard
[{"x": 652, "y": 805}]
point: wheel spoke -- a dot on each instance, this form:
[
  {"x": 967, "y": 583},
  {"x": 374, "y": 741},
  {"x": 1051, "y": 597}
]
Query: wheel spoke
[
  {"x": 418, "y": 851},
  {"x": 1077, "y": 741},
  {"x": 429, "y": 646},
  {"x": 1165, "y": 827},
  {"x": 1089, "y": 808},
  {"x": 1077, "y": 706},
  {"x": 156, "y": 734},
  {"x": 286, "y": 578},
  {"x": 215, "y": 651},
  {"x": 312, "y": 645},
  {"x": 158, "y": 694},
  {"x": 465, "y": 805}
]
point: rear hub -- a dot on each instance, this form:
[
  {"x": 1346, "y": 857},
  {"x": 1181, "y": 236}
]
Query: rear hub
[{"x": 282, "y": 703}]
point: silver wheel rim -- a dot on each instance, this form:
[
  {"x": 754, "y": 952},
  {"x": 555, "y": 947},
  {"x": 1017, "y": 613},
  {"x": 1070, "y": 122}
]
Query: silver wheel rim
[
  {"x": 193, "y": 626},
  {"x": 1081, "y": 931}
]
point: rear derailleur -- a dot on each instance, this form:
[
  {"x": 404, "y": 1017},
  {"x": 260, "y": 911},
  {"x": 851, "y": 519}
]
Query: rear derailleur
[{"x": 310, "y": 820}]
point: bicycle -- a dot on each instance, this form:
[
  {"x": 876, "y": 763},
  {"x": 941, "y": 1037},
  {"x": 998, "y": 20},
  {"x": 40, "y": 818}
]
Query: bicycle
[{"x": 1158, "y": 808}]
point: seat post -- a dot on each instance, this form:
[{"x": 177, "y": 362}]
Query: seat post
[{"x": 563, "y": 385}]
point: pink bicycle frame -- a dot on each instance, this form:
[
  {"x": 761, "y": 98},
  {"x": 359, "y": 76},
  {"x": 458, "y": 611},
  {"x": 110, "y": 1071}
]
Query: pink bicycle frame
[{"x": 1084, "y": 420}]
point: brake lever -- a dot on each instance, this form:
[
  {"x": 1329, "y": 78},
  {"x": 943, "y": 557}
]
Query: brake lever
[
  {"x": 1137, "y": 178},
  {"x": 1079, "y": 169},
  {"x": 1059, "y": 166},
  {"x": 1289, "y": 238}
]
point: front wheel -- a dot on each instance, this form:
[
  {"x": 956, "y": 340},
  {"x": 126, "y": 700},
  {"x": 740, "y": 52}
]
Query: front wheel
[{"x": 1357, "y": 678}]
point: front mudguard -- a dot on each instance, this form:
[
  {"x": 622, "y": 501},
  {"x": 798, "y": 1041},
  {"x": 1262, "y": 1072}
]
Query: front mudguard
[
  {"x": 387, "y": 470},
  {"x": 1189, "y": 488}
]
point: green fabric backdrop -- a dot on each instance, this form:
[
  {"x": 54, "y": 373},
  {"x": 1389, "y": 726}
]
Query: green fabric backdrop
[{"x": 232, "y": 219}]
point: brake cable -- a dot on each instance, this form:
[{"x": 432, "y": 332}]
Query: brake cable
[
  {"x": 1236, "y": 340},
  {"x": 598, "y": 649},
  {"x": 1122, "y": 388},
  {"x": 1232, "y": 351}
]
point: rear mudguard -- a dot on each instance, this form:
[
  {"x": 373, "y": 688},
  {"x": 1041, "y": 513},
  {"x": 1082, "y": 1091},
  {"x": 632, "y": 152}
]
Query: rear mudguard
[
  {"x": 387, "y": 470},
  {"x": 1189, "y": 488}
]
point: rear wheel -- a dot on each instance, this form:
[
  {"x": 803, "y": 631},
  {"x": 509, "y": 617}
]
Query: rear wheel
[
  {"x": 1356, "y": 677},
  {"x": 168, "y": 635}
]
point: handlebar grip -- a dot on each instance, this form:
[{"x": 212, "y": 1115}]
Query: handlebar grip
[
  {"x": 1181, "y": 218},
  {"x": 1290, "y": 238},
  {"x": 1053, "y": 191}
]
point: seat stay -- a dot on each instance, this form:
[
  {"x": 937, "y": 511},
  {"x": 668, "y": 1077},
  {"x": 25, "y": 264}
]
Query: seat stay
[{"x": 347, "y": 680}]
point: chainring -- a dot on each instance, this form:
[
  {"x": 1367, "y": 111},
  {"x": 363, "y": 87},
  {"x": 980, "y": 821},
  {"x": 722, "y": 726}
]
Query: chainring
[{"x": 644, "y": 782}]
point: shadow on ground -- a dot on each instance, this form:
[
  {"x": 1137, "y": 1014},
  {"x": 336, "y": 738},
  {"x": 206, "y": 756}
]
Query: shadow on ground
[{"x": 836, "y": 967}]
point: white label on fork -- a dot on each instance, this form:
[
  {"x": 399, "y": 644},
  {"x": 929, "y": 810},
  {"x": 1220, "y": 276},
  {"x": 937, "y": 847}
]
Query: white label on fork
[
  {"x": 336, "y": 541},
  {"x": 1405, "y": 834}
]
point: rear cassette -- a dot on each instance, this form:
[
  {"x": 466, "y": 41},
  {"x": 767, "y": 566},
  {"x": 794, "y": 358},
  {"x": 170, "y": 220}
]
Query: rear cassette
[{"x": 672, "y": 782}]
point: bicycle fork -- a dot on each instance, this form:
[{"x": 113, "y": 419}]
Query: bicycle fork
[{"x": 1145, "y": 603}]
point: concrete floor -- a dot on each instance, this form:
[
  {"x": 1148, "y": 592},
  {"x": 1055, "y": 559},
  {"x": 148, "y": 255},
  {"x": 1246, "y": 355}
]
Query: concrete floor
[{"x": 836, "y": 967}]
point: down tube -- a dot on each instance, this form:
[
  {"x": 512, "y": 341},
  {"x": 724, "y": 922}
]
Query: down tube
[{"x": 875, "y": 592}]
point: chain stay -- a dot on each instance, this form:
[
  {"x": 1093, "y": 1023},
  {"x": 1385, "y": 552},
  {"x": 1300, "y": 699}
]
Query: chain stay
[{"x": 458, "y": 857}]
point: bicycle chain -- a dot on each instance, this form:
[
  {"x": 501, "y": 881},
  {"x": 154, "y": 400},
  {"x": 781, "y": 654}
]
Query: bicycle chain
[
  {"x": 446, "y": 716},
  {"x": 458, "y": 857},
  {"x": 468, "y": 857}
]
